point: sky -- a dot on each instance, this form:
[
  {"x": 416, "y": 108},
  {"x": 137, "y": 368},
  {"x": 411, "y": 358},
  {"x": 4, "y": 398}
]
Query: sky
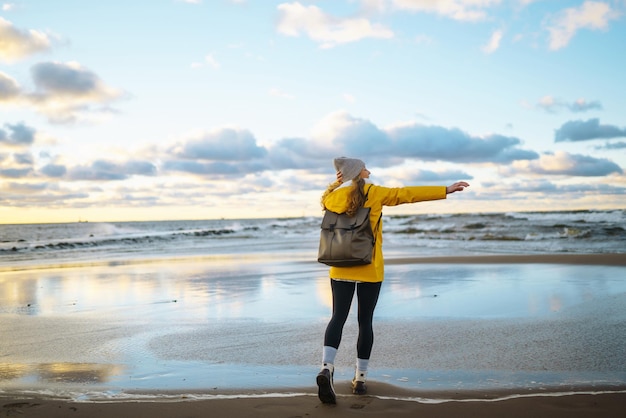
[{"x": 207, "y": 109}]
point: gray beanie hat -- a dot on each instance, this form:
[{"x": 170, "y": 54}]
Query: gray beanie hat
[{"x": 350, "y": 167}]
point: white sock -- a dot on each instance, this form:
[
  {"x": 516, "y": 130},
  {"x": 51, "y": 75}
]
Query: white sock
[
  {"x": 328, "y": 357},
  {"x": 361, "y": 369},
  {"x": 329, "y": 354}
]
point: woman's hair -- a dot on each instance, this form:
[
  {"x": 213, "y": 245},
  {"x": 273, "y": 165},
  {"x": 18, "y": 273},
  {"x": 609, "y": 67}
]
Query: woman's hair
[
  {"x": 331, "y": 187},
  {"x": 356, "y": 197}
]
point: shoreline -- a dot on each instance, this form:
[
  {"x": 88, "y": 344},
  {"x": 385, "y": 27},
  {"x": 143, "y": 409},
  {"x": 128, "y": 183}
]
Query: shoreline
[
  {"x": 571, "y": 404},
  {"x": 376, "y": 389},
  {"x": 600, "y": 259}
]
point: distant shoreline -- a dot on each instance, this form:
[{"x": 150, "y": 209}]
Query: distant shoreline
[{"x": 608, "y": 259}]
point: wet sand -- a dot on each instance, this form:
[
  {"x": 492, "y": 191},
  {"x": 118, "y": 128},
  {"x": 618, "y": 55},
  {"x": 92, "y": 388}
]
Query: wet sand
[
  {"x": 183, "y": 337},
  {"x": 577, "y": 259},
  {"x": 607, "y": 405}
]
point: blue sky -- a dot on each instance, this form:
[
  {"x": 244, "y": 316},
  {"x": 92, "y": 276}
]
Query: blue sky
[{"x": 172, "y": 109}]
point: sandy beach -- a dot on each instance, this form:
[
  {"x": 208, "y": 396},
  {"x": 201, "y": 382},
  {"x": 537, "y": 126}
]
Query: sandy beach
[
  {"x": 455, "y": 336},
  {"x": 607, "y": 405}
]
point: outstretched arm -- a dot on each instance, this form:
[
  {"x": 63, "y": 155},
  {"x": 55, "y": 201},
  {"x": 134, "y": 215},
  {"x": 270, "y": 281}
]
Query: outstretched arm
[{"x": 456, "y": 187}]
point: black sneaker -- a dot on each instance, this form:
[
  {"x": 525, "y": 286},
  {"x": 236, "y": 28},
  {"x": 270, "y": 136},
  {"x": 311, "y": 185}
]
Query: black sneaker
[
  {"x": 326, "y": 391},
  {"x": 358, "y": 387}
]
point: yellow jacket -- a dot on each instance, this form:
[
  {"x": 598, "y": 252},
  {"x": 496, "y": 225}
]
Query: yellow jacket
[{"x": 377, "y": 197}]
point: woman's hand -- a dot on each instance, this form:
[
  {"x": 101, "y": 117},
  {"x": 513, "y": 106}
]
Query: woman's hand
[
  {"x": 339, "y": 177},
  {"x": 457, "y": 187}
]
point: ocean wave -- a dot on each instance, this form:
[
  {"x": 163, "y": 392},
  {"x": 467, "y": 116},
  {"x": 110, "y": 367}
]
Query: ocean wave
[
  {"x": 123, "y": 241},
  {"x": 524, "y": 232}
]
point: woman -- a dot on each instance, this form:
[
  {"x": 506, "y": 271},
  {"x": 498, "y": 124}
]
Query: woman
[{"x": 367, "y": 279}]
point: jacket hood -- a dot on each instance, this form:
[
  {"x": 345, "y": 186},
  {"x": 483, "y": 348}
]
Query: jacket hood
[{"x": 337, "y": 201}]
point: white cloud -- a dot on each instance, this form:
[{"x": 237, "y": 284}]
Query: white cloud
[
  {"x": 69, "y": 79},
  {"x": 374, "y": 6},
  {"x": 65, "y": 92},
  {"x": 225, "y": 144},
  {"x": 275, "y": 92},
  {"x": 552, "y": 105},
  {"x": 342, "y": 133},
  {"x": 612, "y": 146},
  {"x": 411, "y": 175},
  {"x": 578, "y": 130},
  {"x": 465, "y": 10},
  {"x": 564, "y": 163},
  {"x": 547, "y": 102},
  {"x": 16, "y": 43},
  {"x": 406, "y": 153},
  {"x": 210, "y": 59},
  {"x": 592, "y": 15},
  {"x": 494, "y": 42},
  {"x": 17, "y": 134},
  {"x": 219, "y": 152},
  {"x": 437, "y": 143},
  {"x": 106, "y": 170},
  {"x": 329, "y": 31},
  {"x": 9, "y": 88}
]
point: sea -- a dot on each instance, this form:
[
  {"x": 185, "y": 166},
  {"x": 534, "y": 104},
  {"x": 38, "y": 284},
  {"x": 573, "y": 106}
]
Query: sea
[
  {"x": 575, "y": 232},
  {"x": 116, "y": 310}
]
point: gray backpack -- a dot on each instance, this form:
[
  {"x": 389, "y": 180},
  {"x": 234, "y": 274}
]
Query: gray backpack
[{"x": 347, "y": 241}]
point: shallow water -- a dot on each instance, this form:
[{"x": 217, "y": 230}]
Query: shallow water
[
  {"x": 197, "y": 290},
  {"x": 222, "y": 323}
]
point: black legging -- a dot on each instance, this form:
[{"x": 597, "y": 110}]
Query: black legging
[{"x": 367, "y": 296}]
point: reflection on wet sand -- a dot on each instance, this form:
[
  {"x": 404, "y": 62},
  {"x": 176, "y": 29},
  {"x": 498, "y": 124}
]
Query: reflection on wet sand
[
  {"x": 80, "y": 290},
  {"x": 200, "y": 323},
  {"x": 195, "y": 292},
  {"x": 91, "y": 373},
  {"x": 10, "y": 371}
]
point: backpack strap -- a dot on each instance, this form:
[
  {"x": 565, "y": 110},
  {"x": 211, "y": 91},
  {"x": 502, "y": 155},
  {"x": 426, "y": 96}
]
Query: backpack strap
[{"x": 379, "y": 218}]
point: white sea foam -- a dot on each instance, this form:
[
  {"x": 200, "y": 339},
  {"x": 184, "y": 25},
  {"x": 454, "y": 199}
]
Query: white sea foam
[
  {"x": 121, "y": 397},
  {"x": 499, "y": 398}
]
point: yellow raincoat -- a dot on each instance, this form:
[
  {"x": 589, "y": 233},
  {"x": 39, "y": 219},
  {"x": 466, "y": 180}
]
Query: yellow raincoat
[{"x": 377, "y": 197}]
